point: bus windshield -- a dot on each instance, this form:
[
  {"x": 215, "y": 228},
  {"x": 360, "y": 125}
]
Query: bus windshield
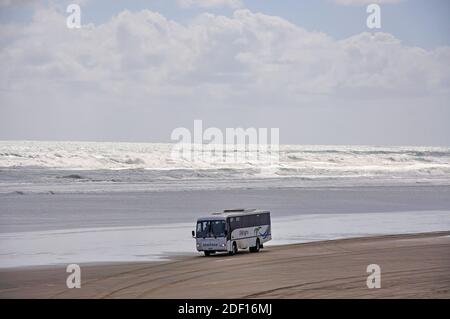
[{"x": 211, "y": 228}]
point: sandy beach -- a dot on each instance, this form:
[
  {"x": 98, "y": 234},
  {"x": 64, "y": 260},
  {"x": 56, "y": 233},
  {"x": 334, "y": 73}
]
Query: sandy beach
[{"x": 412, "y": 266}]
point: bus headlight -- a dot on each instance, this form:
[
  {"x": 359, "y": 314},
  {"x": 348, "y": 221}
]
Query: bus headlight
[
  {"x": 198, "y": 245},
  {"x": 222, "y": 245}
]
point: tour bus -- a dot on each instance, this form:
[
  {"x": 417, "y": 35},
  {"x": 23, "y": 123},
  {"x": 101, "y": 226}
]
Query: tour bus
[{"x": 231, "y": 230}]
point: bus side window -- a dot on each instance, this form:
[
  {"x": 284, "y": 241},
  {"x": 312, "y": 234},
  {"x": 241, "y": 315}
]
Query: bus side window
[
  {"x": 248, "y": 221},
  {"x": 237, "y": 223},
  {"x": 262, "y": 219},
  {"x": 266, "y": 219},
  {"x": 233, "y": 223}
]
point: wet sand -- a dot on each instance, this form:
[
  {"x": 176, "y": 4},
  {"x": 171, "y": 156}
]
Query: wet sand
[
  {"x": 43, "y": 211},
  {"x": 412, "y": 266}
]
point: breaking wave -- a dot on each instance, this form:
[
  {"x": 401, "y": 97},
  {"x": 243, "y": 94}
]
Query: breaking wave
[{"x": 144, "y": 162}]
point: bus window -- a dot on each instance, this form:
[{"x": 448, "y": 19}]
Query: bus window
[
  {"x": 218, "y": 228},
  {"x": 265, "y": 219},
  {"x": 202, "y": 228},
  {"x": 245, "y": 221},
  {"x": 211, "y": 228}
]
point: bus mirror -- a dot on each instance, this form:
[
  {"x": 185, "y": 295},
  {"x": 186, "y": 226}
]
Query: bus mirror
[
  {"x": 226, "y": 232},
  {"x": 193, "y": 233}
]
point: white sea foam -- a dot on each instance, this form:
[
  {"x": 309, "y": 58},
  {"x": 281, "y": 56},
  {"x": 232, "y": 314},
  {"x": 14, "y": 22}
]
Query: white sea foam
[
  {"x": 144, "y": 162},
  {"x": 146, "y": 243}
]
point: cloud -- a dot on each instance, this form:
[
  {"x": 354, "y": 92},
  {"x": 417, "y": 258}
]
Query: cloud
[
  {"x": 365, "y": 2},
  {"x": 11, "y": 3},
  {"x": 234, "y": 4},
  {"x": 245, "y": 59}
]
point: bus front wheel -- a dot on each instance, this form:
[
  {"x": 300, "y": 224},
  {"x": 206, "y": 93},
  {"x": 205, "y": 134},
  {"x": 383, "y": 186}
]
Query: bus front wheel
[
  {"x": 207, "y": 253},
  {"x": 234, "y": 249}
]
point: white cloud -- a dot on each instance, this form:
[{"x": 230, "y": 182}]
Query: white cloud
[
  {"x": 365, "y": 2},
  {"x": 243, "y": 59},
  {"x": 10, "y": 3},
  {"x": 234, "y": 4}
]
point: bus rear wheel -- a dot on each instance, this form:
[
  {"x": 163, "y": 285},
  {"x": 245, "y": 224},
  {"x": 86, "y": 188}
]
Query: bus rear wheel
[{"x": 256, "y": 248}]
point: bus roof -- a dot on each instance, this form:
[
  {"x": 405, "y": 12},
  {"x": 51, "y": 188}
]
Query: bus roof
[{"x": 233, "y": 213}]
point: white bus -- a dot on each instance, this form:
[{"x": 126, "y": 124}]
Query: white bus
[{"x": 231, "y": 230}]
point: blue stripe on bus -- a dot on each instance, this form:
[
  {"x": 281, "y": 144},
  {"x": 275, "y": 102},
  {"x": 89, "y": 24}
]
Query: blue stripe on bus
[{"x": 251, "y": 237}]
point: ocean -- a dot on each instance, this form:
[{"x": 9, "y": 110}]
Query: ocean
[
  {"x": 86, "y": 202},
  {"x": 73, "y": 167}
]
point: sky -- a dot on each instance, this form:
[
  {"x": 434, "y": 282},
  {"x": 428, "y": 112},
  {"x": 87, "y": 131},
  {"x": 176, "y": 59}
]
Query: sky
[{"x": 136, "y": 70}]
